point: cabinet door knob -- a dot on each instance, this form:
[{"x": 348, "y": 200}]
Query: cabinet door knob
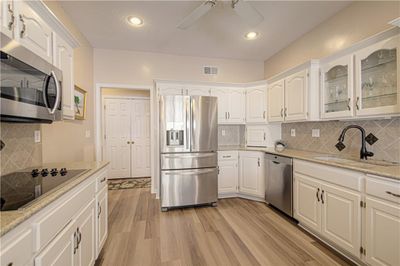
[
  {"x": 348, "y": 104},
  {"x": 317, "y": 194},
  {"x": 357, "y": 106},
  {"x": 322, "y": 197}
]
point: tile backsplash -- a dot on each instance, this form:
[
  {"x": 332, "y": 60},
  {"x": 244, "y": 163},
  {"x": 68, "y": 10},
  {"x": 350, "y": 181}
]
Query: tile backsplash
[
  {"x": 20, "y": 150},
  {"x": 234, "y": 135},
  {"x": 386, "y": 130}
]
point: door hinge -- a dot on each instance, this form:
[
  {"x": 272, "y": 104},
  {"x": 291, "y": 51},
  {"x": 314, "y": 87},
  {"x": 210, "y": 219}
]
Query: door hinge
[
  {"x": 363, "y": 204},
  {"x": 363, "y": 251}
]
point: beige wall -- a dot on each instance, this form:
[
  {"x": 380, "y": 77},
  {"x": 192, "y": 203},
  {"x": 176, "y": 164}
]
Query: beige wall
[
  {"x": 66, "y": 140},
  {"x": 129, "y": 67},
  {"x": 124, "y": 92},
  {"x": 354, "y": 23}
]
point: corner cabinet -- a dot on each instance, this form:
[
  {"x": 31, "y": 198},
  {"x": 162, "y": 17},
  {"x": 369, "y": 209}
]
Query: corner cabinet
[
  {"x": 251, "y": 174},
  {"x": 256, "y": 106},
  {"x": 64, "y": 60},
  {"x": 294, "y": 95},
  {"x": 377, "y": 78},
  {"x": 337, "y": 99}
]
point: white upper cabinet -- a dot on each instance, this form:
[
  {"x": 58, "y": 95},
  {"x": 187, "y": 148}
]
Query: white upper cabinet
[
  {"x": 231, "y": 105},
  {"x": 32, "y": 31},
  {"x": 256, "y": 106},
  {"x": 198, "y": 90},
  {"x": 170, "y": 89},
  {"x": 296, "y": 96},
  {"x": 337, "y": 88},
  {"x": 377, "y": 78},
  {"x": 256, "y": 136},
  {"x": 276, "y": 101},
  {"x": 7, "y": 17},
  {"x": 63, "y": 59}
]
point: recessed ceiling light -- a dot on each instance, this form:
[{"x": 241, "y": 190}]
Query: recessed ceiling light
[
  {"x": 135, "y": 21},
  {"x": 251, "y": 35}
]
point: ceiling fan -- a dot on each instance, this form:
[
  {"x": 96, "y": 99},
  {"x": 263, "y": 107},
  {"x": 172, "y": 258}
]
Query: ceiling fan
[{"x": 241, "y": 7}]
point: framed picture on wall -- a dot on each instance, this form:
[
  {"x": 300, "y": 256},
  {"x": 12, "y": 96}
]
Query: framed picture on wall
[{"x": 80, "y": 103}]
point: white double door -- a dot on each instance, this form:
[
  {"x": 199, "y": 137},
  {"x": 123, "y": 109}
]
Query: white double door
[{"x": 127, "y": 137}]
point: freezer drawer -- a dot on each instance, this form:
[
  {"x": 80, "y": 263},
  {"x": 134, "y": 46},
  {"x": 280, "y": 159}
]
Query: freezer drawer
[
  {"x": 188, "y": 187},
  {"x": 188, "y": 160}
]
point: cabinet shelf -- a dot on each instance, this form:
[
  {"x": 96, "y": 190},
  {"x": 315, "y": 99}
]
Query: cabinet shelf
[
  {"x": 378, "y": 65},
  {"x": 336, "y": 102},
  {"x": 378, "y": 96},
  {"x": 338, "y": 78}
]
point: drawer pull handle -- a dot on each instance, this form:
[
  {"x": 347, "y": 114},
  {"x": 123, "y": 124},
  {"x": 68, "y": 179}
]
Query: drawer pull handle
[
  {"x": 226, "y": 156},
  {"x": 102, "y": 180},
  {"x": 10, "y": 264},
  {"x": 393, "y": 194}
]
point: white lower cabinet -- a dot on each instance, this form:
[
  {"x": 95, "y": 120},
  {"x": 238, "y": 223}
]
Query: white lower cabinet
[
  {"x": 382, "y": 239},
  {"x": 74, "y": 245},
  {"x": 251, "y": 173},
  {"x": 227, "y": 173},
  {"x": 70, "y": 231},
  {"x": 382, "y": 232},
  {"x": 101, "y": 221},
  {"x": 332, "y": 211}
]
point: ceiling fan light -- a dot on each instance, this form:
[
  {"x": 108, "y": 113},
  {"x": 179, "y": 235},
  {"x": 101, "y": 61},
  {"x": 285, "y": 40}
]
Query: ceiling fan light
[{"x": 252, "y": 35}]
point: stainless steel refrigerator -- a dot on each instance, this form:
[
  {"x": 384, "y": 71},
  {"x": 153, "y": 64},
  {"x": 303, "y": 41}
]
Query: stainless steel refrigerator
[{"x": 188, "y": 150}]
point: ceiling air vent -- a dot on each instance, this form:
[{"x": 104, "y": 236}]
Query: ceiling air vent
[{"x": 210, "y": 70}]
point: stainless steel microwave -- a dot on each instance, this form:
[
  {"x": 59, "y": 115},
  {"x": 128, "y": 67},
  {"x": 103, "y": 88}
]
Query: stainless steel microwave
[{"x": 31, "y": 88}]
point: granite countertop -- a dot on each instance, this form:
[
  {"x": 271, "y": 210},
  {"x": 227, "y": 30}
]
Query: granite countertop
[
  {"x": 356, "y": 165},
  {"x": 10, "y": 219}
]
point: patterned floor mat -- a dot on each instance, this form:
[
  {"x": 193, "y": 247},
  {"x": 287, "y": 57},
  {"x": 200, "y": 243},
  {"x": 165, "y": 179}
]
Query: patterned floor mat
[{"x": 129, "y": 183}]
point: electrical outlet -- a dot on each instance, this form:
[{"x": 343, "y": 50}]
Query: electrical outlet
[
  {"x": 223, "y": 132},
  {"x": 293, "y": 132},
  {"x": 315, "y": 133},
  {"x": 37, "y": 136},
  {"x": 87, "y": 133}
]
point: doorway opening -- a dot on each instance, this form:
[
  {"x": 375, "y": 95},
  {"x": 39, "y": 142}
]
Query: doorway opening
[{"x": 124, "y": 131}]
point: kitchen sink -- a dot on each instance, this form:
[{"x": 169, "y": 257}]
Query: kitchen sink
[{"x": 352, "y": 161}]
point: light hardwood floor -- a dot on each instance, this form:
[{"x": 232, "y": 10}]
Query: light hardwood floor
[{"x": 237, "y": 232}]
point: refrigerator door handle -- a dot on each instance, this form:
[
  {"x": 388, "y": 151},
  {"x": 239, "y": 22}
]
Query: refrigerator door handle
[{"x": 188, "y": 122}]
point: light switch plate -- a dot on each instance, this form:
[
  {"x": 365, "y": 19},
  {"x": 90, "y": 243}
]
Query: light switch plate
[
  {"x": 87, "y": 134},
  {"x": 315, "y": 133},
  {"x": 223, "y": 132},
  {"x": 37, "y": 136},
  {"x": 293, "y": 132}
]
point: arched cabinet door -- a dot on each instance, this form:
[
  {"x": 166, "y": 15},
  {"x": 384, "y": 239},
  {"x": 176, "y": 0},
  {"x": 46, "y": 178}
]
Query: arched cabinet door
[
  {"x": 378, "y": 78},
  {"x": 337, "y": 88}
]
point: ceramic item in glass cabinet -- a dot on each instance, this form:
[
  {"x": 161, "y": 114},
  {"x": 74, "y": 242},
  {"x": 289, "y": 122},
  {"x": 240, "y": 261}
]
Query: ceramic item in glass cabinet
[
  {"x": 336, "y": 89},
  {"x": 379, "y": 79}
]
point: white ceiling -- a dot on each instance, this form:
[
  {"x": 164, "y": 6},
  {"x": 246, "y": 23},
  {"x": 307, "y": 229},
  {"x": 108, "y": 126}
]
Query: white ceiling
[{"x": 218, "y": 34}]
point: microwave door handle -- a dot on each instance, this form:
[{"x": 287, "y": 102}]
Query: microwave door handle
[
  {"x": 58, "y": 91},
  {"x": 44, "y": 92}
]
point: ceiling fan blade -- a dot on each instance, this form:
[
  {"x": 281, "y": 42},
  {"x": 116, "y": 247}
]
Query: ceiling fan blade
[
  {"x": 200, "y": 11},
  {"x": 247, "y": 12}
]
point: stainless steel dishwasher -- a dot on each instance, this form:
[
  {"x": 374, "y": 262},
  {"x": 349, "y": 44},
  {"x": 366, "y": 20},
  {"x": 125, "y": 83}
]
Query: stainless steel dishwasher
[{"x": 279, "y": 182}]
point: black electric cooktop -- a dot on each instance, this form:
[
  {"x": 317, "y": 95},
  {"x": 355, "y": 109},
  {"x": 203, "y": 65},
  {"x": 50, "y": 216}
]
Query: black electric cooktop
[{"x": 20, "y": 188}]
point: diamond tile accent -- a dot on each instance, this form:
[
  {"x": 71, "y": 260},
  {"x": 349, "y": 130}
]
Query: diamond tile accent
[
  {"x": 20, "y": 149},
  {"x": 387, "y": 131}
]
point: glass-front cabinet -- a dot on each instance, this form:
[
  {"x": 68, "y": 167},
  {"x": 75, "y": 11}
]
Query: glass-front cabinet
[
  {"x": 337, "y": 88},
  {"x": 378, "y": 78}
]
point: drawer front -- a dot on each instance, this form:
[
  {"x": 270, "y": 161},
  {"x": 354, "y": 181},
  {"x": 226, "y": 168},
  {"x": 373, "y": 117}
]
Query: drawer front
[
  {"x": 330, "y": 174},
  {"x": 19, "y": 251},
  {"x": 228, "y": 155},
  {"x": 188, "y": 160},
  {"x": 52, "y": 223},
  {"x": 188, "y": 187},
  {"x": 384, "y": 189},
  {"x": 101, "y": 179}
]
